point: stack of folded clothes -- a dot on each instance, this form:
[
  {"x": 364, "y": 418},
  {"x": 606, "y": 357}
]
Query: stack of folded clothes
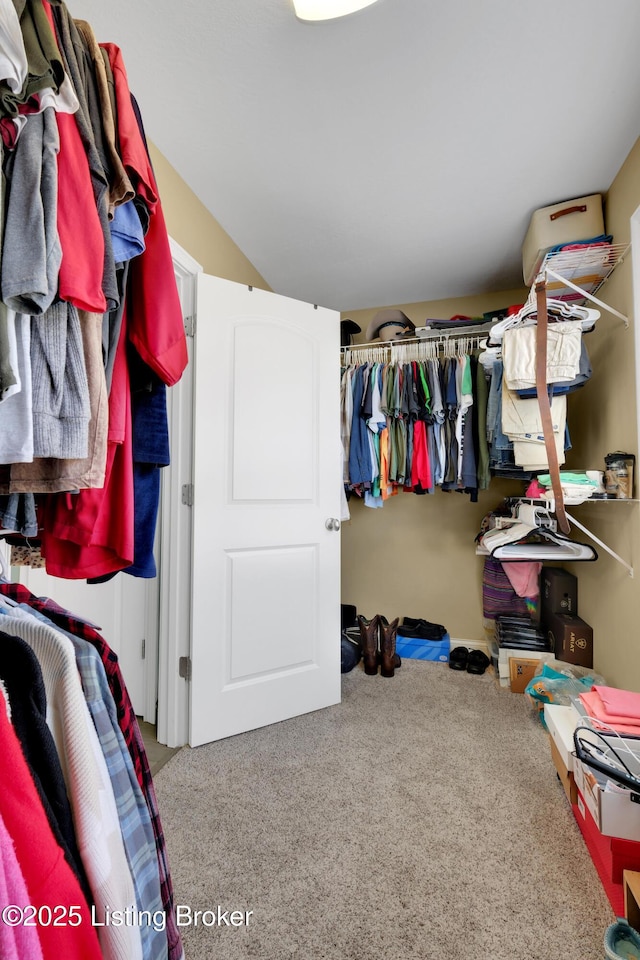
[{"x": 610, "y": 708}]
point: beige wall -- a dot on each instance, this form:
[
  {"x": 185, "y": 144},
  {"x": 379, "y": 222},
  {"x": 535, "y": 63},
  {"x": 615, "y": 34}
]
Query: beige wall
[
  {"x": 200, "y": 234},
  {"x": 604, "y": 413}
]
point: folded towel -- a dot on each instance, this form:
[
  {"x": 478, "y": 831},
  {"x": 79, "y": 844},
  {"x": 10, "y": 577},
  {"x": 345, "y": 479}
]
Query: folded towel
[
  {"x": 622, "y": 703},
  {"x": 596, "y": 711}
]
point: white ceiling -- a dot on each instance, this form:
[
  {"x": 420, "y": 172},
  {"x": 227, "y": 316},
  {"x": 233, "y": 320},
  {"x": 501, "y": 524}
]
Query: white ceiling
[{"x": 395, "y": 155}]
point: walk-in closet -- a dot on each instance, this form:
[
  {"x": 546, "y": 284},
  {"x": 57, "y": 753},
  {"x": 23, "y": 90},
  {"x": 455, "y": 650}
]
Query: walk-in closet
[{"x": 319, "y": 513}]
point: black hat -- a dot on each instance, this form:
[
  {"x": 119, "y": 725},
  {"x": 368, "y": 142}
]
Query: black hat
[{"x": 347, "y": 327}]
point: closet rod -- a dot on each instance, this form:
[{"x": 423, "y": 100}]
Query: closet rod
[
  {"x": 391, "y": 348},
  {"x": 439, "y": 336}
]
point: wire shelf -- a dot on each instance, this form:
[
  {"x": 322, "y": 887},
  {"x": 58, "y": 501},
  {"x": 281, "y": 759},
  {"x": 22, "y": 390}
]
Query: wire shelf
[{"x": 586, "y": 267}]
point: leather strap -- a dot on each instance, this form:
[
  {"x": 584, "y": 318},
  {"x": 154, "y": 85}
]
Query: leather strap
[
  {"x": 561, "y": 213},
  {"x": 545, "y": 405}
]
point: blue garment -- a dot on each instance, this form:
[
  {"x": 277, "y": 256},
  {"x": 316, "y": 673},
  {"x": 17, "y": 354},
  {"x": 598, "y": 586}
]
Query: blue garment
[
  {"x": 359, "y": 452},
  {"x": 127, "y": 237},
  {"x": 18, "y": 512}
]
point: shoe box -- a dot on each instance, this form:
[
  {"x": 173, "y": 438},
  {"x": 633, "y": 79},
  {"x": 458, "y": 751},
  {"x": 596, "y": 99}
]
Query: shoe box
[
  {"x": 414, "y": 648},
  {"x": 558, "y": 593},
  {"x": 572, "y": 639},
  {"x": 610, "y": 855}
]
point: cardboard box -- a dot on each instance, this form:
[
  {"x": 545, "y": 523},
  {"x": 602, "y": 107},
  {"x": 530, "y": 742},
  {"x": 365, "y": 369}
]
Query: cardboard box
[
  {"x": 564, "y": 775},
  {"x": 631, "y": 887},
  {"x": 572, "y": 639},
  {"x": 412, "y": 649},
  {"x": 558, "y": 593},
  {"x": 506, "y": 655},
  {"x": 616, "y": 813},
  {"x": 520, "y": 672}
]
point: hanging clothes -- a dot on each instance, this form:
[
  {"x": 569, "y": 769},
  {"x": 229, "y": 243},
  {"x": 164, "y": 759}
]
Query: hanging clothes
[
  {"x": 128, "y": 723},
  {"x": 409, "y": 420},
  {"x": 84, "y": 238}
]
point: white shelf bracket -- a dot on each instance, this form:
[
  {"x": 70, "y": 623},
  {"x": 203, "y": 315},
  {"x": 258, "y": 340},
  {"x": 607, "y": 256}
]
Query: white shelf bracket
[
  {"x": 595, "y": 539},
  {"x": 589, "y": 296}
]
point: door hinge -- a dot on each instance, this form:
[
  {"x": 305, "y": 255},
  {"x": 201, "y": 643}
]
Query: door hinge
[
  {"x": 190, "y": 326},
  {"x": 184, "y": 668},
  {"x": 144, "y": 648},
  {"x": 187, "y": 494}
]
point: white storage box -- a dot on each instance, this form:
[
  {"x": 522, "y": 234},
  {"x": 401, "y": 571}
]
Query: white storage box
[
  {"x": 579, "y": 219},
  {"x": 616, "y": 812},
  {"x": 615, "y": 809}
]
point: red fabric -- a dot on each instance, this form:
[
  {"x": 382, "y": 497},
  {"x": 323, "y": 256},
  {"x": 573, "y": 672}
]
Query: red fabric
[
  {"x": 420, "y": 465},
  {"x": 133, "y": 151},
  {"x": 156, "y": 327},
  {"x": 91, "y": 533},
  {"x": 610, "y": 855},
  {"x": 49, "y": 878},
  {"x": 79, "y": 229}
]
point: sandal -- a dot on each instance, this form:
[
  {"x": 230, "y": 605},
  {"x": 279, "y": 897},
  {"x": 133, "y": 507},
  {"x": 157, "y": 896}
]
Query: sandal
[
  {"x": 477, "y": 662},
  {"x": 458, "y": 658}
]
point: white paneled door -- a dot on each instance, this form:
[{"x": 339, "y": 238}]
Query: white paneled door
[{"x": 265, "y": 642}]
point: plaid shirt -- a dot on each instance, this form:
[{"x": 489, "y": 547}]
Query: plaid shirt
[{"x": 128, "y": 723}]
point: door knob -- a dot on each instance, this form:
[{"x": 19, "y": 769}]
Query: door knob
[{"x": 332, "y": 524}]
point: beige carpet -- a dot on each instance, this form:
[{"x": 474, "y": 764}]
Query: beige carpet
[{"x": 420, "y": 818}]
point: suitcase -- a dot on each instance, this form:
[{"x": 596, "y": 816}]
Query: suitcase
[{"x": 572, "y": 220}]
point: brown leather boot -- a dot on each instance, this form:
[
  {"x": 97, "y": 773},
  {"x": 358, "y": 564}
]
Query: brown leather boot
[
  {"x": 388, "y": 633},
  {"x": 369, "y": 643}
]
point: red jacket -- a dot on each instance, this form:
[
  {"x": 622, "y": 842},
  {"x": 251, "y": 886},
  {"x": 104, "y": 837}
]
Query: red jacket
[{"x": 49, "y": 879}]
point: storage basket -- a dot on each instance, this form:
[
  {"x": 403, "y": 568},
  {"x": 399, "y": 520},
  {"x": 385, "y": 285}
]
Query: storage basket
[{"x": 567, "y": 222}]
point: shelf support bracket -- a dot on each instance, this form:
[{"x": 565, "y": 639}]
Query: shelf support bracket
[
  {"x": 595, "y": 539},
  {"x": 589, "y": 296}
]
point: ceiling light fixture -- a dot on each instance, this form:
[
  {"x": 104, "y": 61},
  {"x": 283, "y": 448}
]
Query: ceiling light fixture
[{"x": 328, "y": 9}]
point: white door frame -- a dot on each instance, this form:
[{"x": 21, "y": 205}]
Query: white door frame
[
  {"x": 635, "y": 283},
  {"x": 174, "y": 634}
]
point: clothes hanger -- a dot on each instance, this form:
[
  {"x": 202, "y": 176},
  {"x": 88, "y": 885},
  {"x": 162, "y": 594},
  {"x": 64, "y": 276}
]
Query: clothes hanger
[
  {"x": 544, "y": 544},
  {"x": 559, "y": 310}
]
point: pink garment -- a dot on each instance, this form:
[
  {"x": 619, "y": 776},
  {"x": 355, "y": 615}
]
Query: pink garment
[
  {"x": 596, "y": 710},
  {"x": 20, "y": 942},
  {"x": 524, "y": 576},
  {"x": 622, "y": 703},
  {"x": 535, "y": 491}
]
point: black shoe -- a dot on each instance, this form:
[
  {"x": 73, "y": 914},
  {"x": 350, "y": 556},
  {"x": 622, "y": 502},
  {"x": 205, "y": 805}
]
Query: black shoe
[
  {"x": 421, "y": 629},
  {"x": 477, "y": 661},
  {"x": 458, "y": 658}
]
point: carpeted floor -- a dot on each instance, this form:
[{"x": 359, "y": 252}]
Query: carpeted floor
[{"x": 420, "y": 818}]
